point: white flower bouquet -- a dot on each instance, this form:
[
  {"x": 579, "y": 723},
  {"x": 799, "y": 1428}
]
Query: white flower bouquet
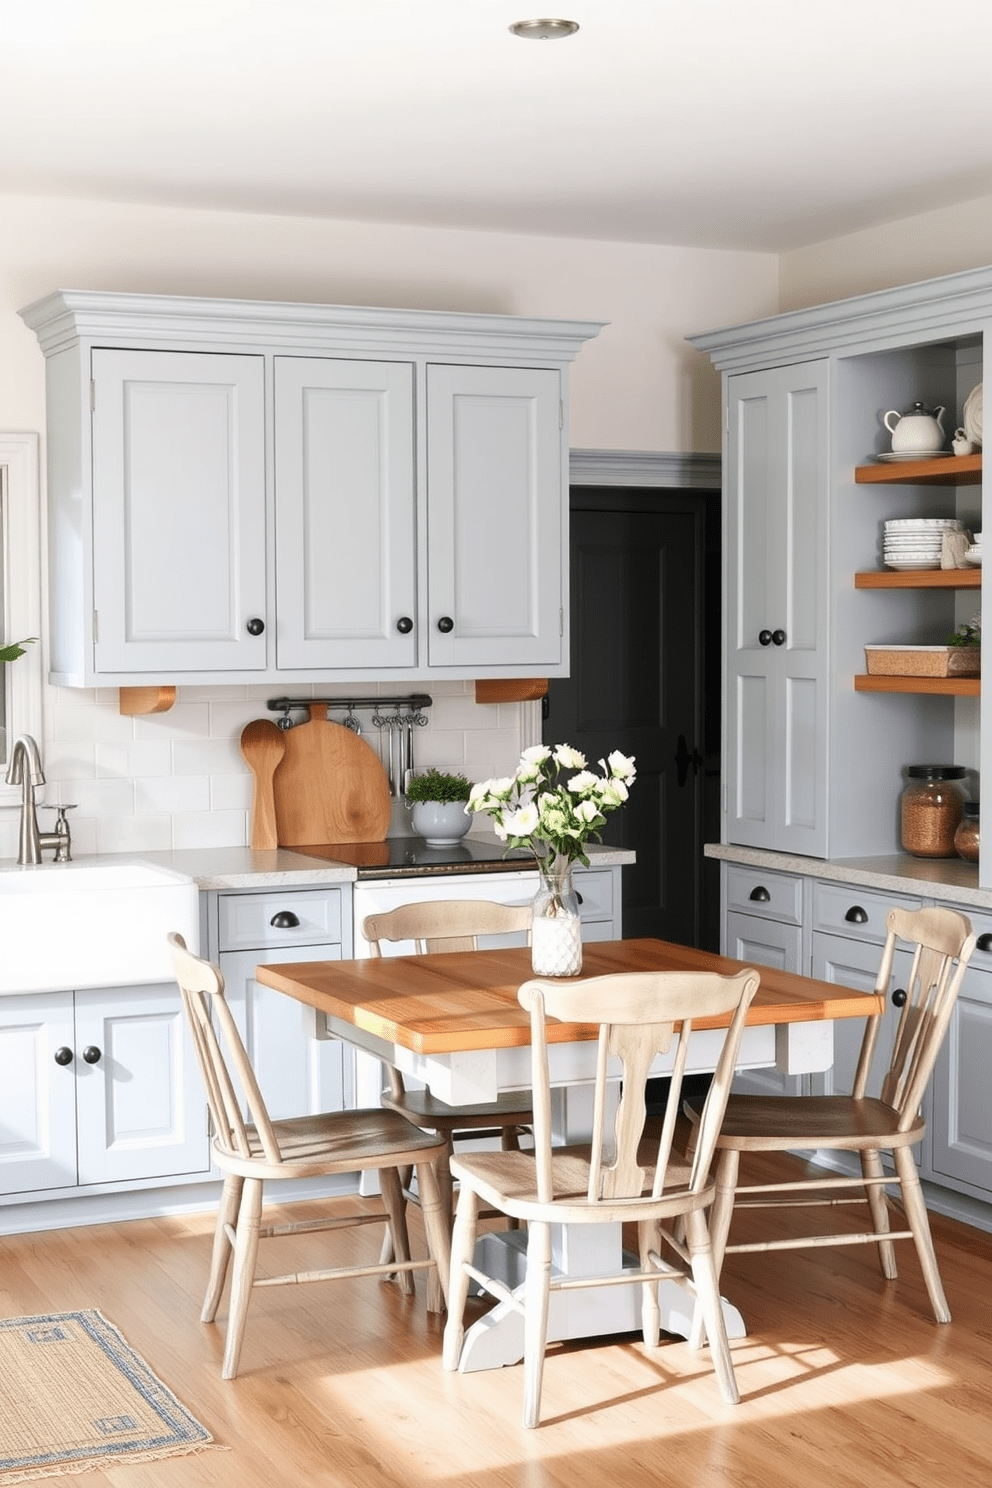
[{"x": 553, "y": 804}]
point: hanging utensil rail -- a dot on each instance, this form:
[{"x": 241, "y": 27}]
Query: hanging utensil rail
[{"x": 414, "y": 704}]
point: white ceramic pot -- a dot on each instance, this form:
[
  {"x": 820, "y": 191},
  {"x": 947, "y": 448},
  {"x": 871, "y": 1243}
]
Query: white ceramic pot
[
  {"x": 918, "y": 431},
  {"x": 440, "y": 823}
]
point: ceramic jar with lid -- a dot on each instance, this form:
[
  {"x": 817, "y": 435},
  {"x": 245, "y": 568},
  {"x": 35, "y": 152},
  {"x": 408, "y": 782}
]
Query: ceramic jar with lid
[
  {"x": 931, "y": 808},
  {"x": 966, "y": 836}
]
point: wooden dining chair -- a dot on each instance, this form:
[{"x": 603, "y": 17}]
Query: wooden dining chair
[
  {"x": 625, "y": 1176},
  {"x": 253, "y": 1151},
  {"x": 452, "y": 925},
  {"x": 942, "y": 943}
]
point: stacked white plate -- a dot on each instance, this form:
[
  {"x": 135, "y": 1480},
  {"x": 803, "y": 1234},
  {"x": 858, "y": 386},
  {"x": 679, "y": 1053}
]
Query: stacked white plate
[{"x": 915, "y": 542}]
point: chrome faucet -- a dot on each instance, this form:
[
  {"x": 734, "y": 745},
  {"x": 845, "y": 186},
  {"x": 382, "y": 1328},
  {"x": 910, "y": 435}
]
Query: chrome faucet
[{"x": 24, "y": 769}]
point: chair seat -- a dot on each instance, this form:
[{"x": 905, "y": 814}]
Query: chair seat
[
  {"x": 424, "y": 1109},
  {"x": 508, "y": 1180},
  {"x": 338, "y": 1142},
  {"x": 756, "y": 1122}
]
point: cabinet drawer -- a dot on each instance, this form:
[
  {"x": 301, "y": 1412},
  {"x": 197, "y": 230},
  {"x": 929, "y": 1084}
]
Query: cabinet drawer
[
  {"x": 595, "y": 891},
  {"x": 764, "y": 942},
  {"x": 848, "y": 909},
  {"x": 246, "y": 920},
  {"x": 774, "y": 896},
  {"x": 982, "y": 926}
]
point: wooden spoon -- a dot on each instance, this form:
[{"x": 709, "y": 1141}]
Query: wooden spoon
[{"x": 263, "y": 745}]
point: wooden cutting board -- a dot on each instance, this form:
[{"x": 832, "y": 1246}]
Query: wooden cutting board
[{"x": 329, "y": 786}]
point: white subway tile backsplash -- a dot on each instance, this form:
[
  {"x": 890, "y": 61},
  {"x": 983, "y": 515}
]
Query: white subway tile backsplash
[{"x": 178, "y": 779}]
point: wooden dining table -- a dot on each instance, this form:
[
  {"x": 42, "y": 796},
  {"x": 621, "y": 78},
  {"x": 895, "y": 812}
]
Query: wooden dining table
[{"x": 452, "y": 1021}]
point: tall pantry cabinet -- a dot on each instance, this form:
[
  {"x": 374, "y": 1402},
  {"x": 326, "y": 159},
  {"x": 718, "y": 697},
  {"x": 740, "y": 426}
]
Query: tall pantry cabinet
[{"x": 815, "y": 757}]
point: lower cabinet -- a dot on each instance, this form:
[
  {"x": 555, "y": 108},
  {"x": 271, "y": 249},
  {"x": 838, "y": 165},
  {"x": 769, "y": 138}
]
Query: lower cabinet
[
  {"x": 298, "y": 1074},
  {"x": 959, "y": 1137},
  {"x": 763, "y": 926},
  {"x": 98, "y": 1087}
]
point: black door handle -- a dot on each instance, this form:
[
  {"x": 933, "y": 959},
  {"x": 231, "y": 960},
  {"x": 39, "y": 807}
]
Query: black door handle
[
  {"x": 778, "y": 637},
  {"x": 856, "y": 915},
  {"x": 984, "y": 943},
  {"x": 446, "y": 625},
  {"x": 255, "y": 626},
  {"x": 63, "y": 1055},
  {"x": 764, "y": 637},
  {"x": 760, "y": 895},
  {"x": 92, "y": 1054},
  {"x": 684, "y": 758},
  {"x": 899, "y": 997}
]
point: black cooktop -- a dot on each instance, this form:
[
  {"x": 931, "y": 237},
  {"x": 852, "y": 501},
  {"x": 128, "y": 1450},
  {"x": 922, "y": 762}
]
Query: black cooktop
[{"x": 397, "y": 856}]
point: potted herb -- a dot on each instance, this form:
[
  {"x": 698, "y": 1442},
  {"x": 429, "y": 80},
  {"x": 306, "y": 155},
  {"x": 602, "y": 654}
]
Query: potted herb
[{"x": 437, "y": 799}]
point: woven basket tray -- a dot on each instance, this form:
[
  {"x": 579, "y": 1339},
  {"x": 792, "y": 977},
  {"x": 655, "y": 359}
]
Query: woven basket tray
[{"x": 924, "y": 661}]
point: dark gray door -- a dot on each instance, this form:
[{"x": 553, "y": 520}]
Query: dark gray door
[{"x": 645, "y": 679}]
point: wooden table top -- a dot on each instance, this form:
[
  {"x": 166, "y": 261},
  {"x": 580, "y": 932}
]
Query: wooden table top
[{"x": 463, "y": 1000}]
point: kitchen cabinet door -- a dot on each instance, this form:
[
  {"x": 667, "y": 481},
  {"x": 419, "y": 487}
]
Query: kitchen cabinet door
[
  {"x": 960, "y": 1128},
  {"x": 497, "y": 519},
  {"x": 777, "y": 589},
  {"x": 853, "y": 963},
  {"x": 346, "y": 562},
  {"x": 298, "y": 1074},
  {"x": 764, "y": 942},
  {"x": 178, "y": 513},
  {"x": 37, "y": 1093}
]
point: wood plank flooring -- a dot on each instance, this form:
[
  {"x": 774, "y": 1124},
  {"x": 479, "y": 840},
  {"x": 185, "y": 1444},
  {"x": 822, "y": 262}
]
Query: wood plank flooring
[{"x": 845, "y": 1378}]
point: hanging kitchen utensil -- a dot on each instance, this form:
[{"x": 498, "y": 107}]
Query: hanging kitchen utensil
[
  {"x": 263, "y": 745},
  {"x": 330, "y": 786}
]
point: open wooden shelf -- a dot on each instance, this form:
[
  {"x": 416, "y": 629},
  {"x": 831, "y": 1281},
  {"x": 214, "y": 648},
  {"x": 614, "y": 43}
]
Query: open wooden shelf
[
  {"x": 955, "y": 470},
  {"x": 935, "y": 686},
  {"x": 924, "y": 578}
]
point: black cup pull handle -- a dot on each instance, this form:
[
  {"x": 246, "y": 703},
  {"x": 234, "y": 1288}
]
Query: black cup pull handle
[
  {"x": 63, "y": 1055},
  {"x": 856, "y": 915},
  {"x": 764, "y": 637},
  {"x": 984, "y": 943},
  {"x": 92, "y": 1054},
  {"x": 899, "y": 997},
  {"x": 284, "y": 920},
  {"x": 760, "y": 895}
]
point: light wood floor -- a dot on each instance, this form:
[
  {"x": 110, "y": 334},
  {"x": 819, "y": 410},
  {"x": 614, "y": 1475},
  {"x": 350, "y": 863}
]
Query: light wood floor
[{"x": 845, "y": 1378}]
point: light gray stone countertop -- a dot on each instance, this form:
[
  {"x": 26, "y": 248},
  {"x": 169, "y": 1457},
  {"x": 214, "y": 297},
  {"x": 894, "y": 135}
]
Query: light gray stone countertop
[
  {"x": 246, "y": 868},
  {"x": 948, "y": 879}
]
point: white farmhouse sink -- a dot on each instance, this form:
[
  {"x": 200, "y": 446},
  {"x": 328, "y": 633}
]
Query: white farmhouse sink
[{"x": 66, "y": 926}]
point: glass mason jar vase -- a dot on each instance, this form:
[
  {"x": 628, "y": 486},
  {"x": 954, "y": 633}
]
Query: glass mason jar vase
[
  {"x": 966, "y": 838},
  {"x": 556, "y": 929}
]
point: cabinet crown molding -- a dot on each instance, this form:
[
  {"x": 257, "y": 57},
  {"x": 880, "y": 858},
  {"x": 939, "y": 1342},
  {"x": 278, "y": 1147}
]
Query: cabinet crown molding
[
  {"x": 65, "y": 317},
  {"x": 932, "y": 309}
]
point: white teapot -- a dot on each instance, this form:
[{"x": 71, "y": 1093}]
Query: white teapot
[{"x": 918, "y": 431}]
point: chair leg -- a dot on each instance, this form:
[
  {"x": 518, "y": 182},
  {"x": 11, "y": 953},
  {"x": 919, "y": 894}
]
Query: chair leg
[
  {"x": 395, "y": 1206},
  {"x": 721, "y": 1214},
  {"x": 438, "y": 1226},
  {"x": 648, "y": 1239},
  {"x": 509, "y": 1141},
  {"x": 245, "y": 1256},
  {"x": 919, "y": 1223},
  {"x": 462, "y": 1249},
  {"x": 704, "y": 1276},
  {"x": 227, "y": 1215},
  {"x": 537, "y": 1284},
  {"x": 878, "y": 1205}
]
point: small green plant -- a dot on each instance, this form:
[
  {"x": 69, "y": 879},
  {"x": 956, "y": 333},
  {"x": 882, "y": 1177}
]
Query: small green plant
[
  {"x": 15, "y": 649},
  {"x": 968, "y": 634},
  {"x": 434, "y": 785}
]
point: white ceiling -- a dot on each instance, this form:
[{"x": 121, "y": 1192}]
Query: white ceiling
[{"x": 750, "y": 124}]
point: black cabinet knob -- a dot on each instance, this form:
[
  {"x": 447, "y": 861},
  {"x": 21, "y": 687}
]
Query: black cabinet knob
[
  {"x": 63, "y": 1055},
  {"x": 984, "y": 943},
  {"x": 778, "y": 637},
  {"x": 760, "y": 895},
  {"x": 445, "y": 624},
  {"x": 764, "y": 637},
  {"x": 255, "y": 626},
  {"x": 284, "y": 920},
  {"x": 899, "y": 997},
  {"x": 856, "y": 915},
  {"x": 92, "y": 1054},
  {"x": 404, "y": 625}
]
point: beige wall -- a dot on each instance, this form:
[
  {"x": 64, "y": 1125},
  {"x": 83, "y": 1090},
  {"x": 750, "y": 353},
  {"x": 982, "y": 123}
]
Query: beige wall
[
  {"x": 922, "y": 247},
  {"x": 638, "y": 386}
]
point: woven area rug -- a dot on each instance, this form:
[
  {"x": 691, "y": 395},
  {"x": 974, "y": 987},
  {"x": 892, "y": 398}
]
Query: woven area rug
[{"x": 74, "y": 1396}]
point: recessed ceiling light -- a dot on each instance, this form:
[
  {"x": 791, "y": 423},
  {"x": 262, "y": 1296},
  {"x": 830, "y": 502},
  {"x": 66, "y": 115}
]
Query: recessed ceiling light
[{"x": 545, "y": 30}]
